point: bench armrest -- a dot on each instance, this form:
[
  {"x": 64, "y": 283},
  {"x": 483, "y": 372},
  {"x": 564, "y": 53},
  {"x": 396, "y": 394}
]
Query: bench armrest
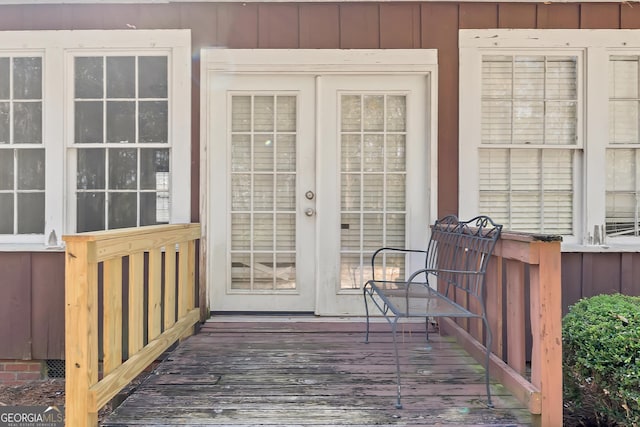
[
  {"x": 387, "y": 249},
  {"x": 436, "y": 271}
]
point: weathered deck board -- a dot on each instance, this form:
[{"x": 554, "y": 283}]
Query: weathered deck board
[{"x": 315, "y": 374}]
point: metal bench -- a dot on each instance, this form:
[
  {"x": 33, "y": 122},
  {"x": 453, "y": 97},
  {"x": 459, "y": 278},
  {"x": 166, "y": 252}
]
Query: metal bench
[{"x": 455, "y": 266}]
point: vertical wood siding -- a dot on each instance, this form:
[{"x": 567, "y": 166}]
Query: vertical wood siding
[{"x": 31, "y": 306}]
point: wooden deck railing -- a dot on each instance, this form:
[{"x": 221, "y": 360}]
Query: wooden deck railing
[
  {"x": 153, "y": 266},
  {"x": 525, "y": 313}
]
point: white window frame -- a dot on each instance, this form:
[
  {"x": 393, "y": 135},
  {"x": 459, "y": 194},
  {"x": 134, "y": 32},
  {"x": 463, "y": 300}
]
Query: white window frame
[
  {"x": 593, "y": 49},
  {"x": 58, "y": 49}
]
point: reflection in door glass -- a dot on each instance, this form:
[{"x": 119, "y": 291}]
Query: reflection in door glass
[
  {"x": 373, "y": 172},
  {"x": 263, "y": 192}
]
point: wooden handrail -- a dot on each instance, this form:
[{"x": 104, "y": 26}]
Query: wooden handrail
[
  {"x": 98, "y": 257},
  {"x": 524, "y": 276}
]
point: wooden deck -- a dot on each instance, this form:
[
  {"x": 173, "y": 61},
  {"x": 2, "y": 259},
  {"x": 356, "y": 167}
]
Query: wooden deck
[{"x": 303, "y": 372}]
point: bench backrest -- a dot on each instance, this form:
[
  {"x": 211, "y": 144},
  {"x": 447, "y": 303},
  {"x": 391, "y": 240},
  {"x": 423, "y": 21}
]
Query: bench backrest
[{"x": 460, "y": 251}]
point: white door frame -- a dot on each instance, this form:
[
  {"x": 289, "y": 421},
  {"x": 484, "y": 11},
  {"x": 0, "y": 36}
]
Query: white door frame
[{"x": 220, "y": 64}]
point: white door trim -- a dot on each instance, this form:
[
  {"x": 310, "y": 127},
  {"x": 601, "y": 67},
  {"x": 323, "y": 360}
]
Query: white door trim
[{"x": 225, "y": 63}]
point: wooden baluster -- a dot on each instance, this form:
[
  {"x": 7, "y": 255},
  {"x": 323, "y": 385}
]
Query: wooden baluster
[
  {"x": 495, "y": 303},
  {"x": 154, "y": 299},
  {"x": 169, "y": 286},
  {"x": 136, "y": 302},
  {"x": 516, "y": 350},
  {"x": 112, "y": 317}
]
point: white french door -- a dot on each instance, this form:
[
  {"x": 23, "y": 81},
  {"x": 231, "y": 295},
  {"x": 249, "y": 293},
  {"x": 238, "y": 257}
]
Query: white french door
[
  {"x": 262, "y": 194},
  {"x": 306, "y": 175},
  {"x": 373, "y": 166}
]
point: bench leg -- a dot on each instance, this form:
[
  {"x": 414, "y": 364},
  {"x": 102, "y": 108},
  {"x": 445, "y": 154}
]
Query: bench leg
[
  {"x": 366, "y": 310},
  {"x": 394, "y": 329},
  {"x": 426, "y": 328},
  {"x": 488, "y": 360}
]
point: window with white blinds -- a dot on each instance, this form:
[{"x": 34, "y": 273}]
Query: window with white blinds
[
  {"x": 554, "y": 116},
  {"x": 263, "y": 192},
  {"x": 528, "y": 140},
  {"x": 623, "y": 150},
  {"x": 373, "y": 131}
]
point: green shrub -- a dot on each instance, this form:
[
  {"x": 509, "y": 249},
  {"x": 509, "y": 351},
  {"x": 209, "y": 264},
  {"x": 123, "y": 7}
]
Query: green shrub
[{"x": 601, "y": 359}]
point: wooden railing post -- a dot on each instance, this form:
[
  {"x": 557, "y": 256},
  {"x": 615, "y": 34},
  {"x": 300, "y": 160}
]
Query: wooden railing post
[
  {"x": 546, "y": 328},
  {"x": 542, "y": 394},
  {"x": 81, "y": 331}
]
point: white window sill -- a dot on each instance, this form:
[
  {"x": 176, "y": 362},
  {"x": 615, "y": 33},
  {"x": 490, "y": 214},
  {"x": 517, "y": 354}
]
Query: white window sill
[
  {"x": 29, "y": 247},
  {"x": 609, "y": 247}
]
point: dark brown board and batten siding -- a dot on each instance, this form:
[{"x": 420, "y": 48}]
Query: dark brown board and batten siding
[
  {"x": 31, "y": 305},
  {"x": 31, "y": 285}
]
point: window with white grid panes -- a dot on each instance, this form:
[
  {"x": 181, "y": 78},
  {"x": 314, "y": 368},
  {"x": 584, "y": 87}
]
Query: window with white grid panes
[
  {"x": 373, "y": 131},
  {"x": 263, "y": 192},
  {"x": 121, "y": 134},
  {"x": 623, "y": 150},
  {"x": 528, "y": 141},
  {"x": 22, "y": 150}
]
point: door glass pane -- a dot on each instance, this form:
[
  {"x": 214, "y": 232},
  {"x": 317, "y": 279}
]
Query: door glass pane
[
  {"x": 241, "y": 231},
  {"x": 285, "y": 271},
  {"x": 373, "y": 173},
  {"x": 263, "y": 192}
]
